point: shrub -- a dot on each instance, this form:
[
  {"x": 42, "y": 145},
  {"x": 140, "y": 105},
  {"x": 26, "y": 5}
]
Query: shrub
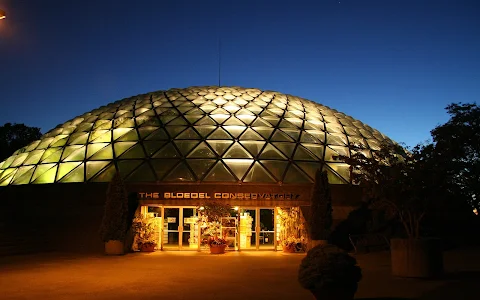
[{"x": 114, "y": 222}]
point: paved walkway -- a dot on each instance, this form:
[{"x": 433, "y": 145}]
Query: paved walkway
[{"x": 192, "y": 275}]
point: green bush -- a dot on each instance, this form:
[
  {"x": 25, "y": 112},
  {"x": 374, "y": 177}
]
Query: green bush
[
  {"x": 114, "y": 223},
  {"x": 328, "y": 267}
]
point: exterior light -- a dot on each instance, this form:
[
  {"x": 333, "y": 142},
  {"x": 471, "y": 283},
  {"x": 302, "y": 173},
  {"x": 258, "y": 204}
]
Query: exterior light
[
  {"x": 235, "y": 208},
  {"x": 475, "y": 211},
  {"x": 2, "y": 14},
  {"x": 202, "y": 208}
]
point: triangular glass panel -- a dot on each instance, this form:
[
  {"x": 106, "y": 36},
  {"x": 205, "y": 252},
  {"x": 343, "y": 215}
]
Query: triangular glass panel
[
  {"x": 336, "y": 140},
  {"x": 220, "y": 134},
  {"x": 272, "y": 120},
  {"x": 315, "y": 149},
  {"x": 294, "y": 175},
  {"x": 65, "y": 168},
  {"x": 220, "y": 118},
  {"x": 125, "y": 167},
  {"x": 69, "y": 150},
  {"x": 235, "y": 131},
  {"x": 195, "y": 111},
  {"x": 186, "y": 146},
  {"x": 293, "y": 133},
  {"x": 188, "y": 134},
  {"x": 93, "y": 167},
  {"x": 309, "y": 167},
  {"x": 19, "y": 159},
  {"x": 105, "y": 175},
  {"x": 254, "y": 147},
  {"x": 134, "y": 152},
  {"x": 193, "y": 118},
  {"x": 76, "y": 139},
  {"x": 102, "y": 154},
  {"x": 129, "y": 136},
  {"x": 173, "y": 131},
  {"x": 143, "y": 173},
  {"x": 152, "y": 121},
  {"x": 276, "y": 167},
  {"x": 280, "y": 136},
  {"x": 119, "y": 132},
  {"x": 200, "y": 166},
  {"x": 254, "y": 108},
  {"x": 98, "y": 136},
  {"x": 238, "y": 166},
  {"x": 207, "y": 108},
  {"x": 219, "y": 146},
  {"x": 267, "y": 114},
  {"x": 178, "y": 121},
  {"x": 146, "y": 131},
  {"x": 78, "y": 154},
  {"x": 245, "y": 112},
  {"x": 251, "y": 135},
  {"x": 264, "y": 131},
  {"x": 220, "y": 173},
  {"x": 334, "y": 178},
  {"x": 205, "y": 130},
  {"x": 45, "y": 175},
  {"x": 206, "y": 121},
  {"x": 183, "y": 109},
  {"x": 342, "y": 169},
  {"x": 246, "y": 119},
  {"x": 7, "y": 176},
  {"x": 202, "y": 151},
  {"x": 153, "y": 146},
  {"x": 164, "y": 119},
  {"x": 168, "y": 151},
  {"x": 75, "y": 175},
  {"x": 234, "y": 121},
  {"x": 271, "y": 152},
  {"x": 158, "y": 135},
  {"x": 163, "y": 166},
  {"x": 237, "y": 151},
  {"x": 220, "y": 111},
  {"x": 26, "y": 174},
  {"x": 33, "y": 157},
  {"x": 180, "y": 173},
  {"x": 341, "y": 150},
  {"x": 123, "y": 123},
  {"x": 21, "y": 171},
  {"x": 121, "y": 147},
  {"x": 259, "y": 122},
  {"x": 310, "y": 139},
  {"x": 46, "y": 142},
  {"x": 286, "y": 148},
  {"x": 303, "y": 154},
  {"x": 52, "y": 155},
  {"x": 258, "y": 174},
  {"x": 286, "y": 124}
]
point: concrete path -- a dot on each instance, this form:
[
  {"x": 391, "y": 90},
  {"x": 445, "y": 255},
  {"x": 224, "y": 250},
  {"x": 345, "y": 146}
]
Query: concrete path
[{"x": 192, "y": 275}]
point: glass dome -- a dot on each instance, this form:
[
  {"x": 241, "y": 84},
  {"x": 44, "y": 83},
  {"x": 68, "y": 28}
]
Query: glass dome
[{"x": 196, "y": 134}]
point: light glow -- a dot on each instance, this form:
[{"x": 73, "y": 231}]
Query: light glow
[{"x": 2, "y": 14}]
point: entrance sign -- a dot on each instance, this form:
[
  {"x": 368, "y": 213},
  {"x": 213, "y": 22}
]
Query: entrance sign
[{"x": 253, "y": 196}]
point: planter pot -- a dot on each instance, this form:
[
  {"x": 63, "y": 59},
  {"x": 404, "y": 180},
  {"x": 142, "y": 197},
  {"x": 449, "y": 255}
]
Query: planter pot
[
  {"x": 114, "y": 247},
  {"x": 146, "y": 247},
  {"x": 421, "y": 258},
  {"x": 219, "y": 249},
  {"x": 335, "y": 293},
  {"x": 289, "y": 249}
]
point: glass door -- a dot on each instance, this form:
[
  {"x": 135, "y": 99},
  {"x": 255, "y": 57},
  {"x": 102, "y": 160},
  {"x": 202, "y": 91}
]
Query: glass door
[
  {"x": 171, "y": 228},
  {"x": 267, "y": 229},
  {"x": 247, "y": 229},
  {"x": 190, "y": 229}
]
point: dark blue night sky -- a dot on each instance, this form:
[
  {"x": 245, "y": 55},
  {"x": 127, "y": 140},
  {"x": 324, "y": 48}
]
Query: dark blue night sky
[{"x": 393, "y": 64}]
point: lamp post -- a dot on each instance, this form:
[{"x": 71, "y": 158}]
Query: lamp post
[{"x": 2, "y": 14}]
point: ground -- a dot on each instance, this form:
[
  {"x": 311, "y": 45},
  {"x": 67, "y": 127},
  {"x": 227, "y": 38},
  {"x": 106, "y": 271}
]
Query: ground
[{"x": 193, "y": 275}]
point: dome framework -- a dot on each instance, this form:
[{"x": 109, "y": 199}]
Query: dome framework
[{"x": 196, "y": 134}]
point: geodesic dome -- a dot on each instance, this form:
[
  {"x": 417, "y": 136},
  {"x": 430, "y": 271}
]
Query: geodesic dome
[{"x": 196, "y": 134}]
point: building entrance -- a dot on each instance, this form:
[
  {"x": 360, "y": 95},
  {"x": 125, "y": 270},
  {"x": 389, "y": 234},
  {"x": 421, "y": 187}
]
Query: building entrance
[{"x": 248, "y": 228}]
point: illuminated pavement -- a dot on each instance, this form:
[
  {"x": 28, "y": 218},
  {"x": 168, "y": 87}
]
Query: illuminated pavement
[{"x": 191, "y": 275}]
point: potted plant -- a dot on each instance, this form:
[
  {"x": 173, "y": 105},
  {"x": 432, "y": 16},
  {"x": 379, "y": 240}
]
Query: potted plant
[
  {"x": 113, "y": 229},
  {"x": 210, "y": 215},
  {"x": 144, "y": 230},
  {"x": 293, "y": 245},
  {"x": 405, "y": 186},
  {"x": 320, "y": 210},
  {"x": 217, "y": 245},
  {"x": 292, "y": 229},
  {"x": 329, "y": 273}
]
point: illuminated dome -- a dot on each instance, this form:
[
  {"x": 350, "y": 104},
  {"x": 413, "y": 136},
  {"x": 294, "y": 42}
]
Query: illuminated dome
[{"x": 196, "y": 134}]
